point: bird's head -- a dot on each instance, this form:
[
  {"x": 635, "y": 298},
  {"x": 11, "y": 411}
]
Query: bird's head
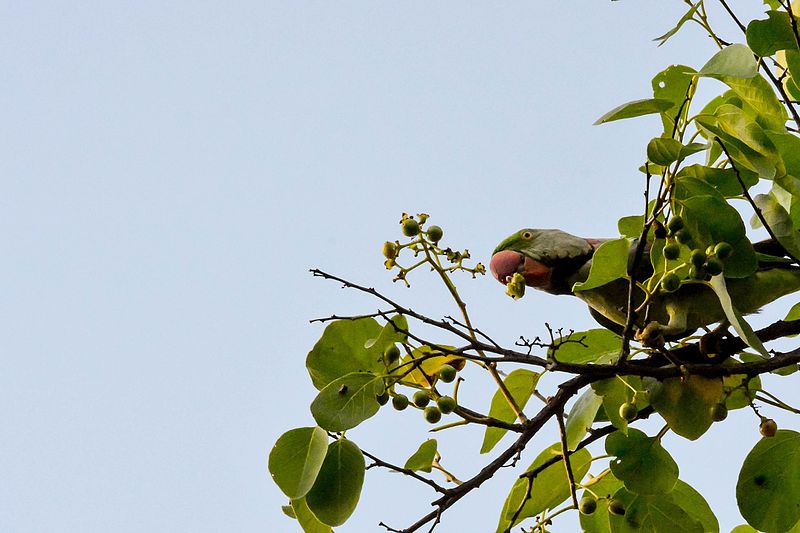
[{"x": 537, "y": 254}]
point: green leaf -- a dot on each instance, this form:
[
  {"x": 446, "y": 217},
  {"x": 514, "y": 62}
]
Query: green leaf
[
  {"x": 652, "y": 513},
  {"x": 740, "y": 390},
  {"x": 724, "y": 180},
  {"x": 425, "y": 371},
  {"x": 609, "y": 262},
  {"x": 637, "y": 108},
  {"x": 641, "y": 463},
  {"x": 757, "y": 94},
  {"x": 604, "y": 488},
  {"x": 765, "y": 37},
  {"x": 548, "y": 489},
  {"x": 581, "y": 416},
  {"x": 712, "y": 220},
  {"x": 685, "y": 403},
  {"x": 631, "y": 226},
  {"x": 736, "y": 61},
  {"x": 684, "y": 19},
  {"x": 794, "y": 313},
  {"x": 662, "y": 151},
  {"x": 341, "y": 351},
  {"x": 308, "y": 521},
  {"x": 788, "y": 146},
  {"x": 675, "y": 83},
  {"x": 346, "y": 402},
  {"x": 768, "y": 488},
  {"x": 615, "y": 392},
  {"x": 296, "y": 458},
  {"x": 393, "y": 331},
  {"x": 779, "y": 222},
  {"x": 744, "y": 528},
  {"x": 334, "y": 496},
  {"x": 735, "y": 318},
  {"x": 695, "y": 506},
  {"x": 422, "y": 459},
  {"x": 596, "y": 346},
  {"x": 739, "y": 125},
  {"x": 521, "y": 384}
]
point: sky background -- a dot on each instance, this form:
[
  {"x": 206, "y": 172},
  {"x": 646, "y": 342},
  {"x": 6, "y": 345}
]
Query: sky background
[{"x": 170, "y": 172}]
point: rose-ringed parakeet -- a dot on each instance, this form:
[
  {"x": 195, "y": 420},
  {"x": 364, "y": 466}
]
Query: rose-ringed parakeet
[{"x": 553, "y": 261}]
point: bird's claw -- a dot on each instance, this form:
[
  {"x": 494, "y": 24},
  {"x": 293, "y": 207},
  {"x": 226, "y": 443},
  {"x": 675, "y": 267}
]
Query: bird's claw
[{"x": 652, "y": 335}]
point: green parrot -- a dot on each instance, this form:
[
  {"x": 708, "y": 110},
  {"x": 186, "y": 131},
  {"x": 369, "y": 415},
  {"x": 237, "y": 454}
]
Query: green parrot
[{"x": 553, "y": 261}]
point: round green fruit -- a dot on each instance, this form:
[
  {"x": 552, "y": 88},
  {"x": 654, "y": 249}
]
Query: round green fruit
[
  {"x": 670, "y": 282},
  {"x": 672, "y": 251},
  {"x": 435, "y": 233},
  {"x": 446, "y": 404},
  {"x": 723, "y": 250},
  {"x": 410, "y": 227},
  {"x": 389, "y": 250},
  {"x": 421, "y": 398},
  {"x": 447, "y": 373},
  {"x": 697, "y": 272},
  {"x": 675, "y": 224},
  {"x": 713, "y": 266},
  {"x": 628, "y": 411},
  {"x": 400, "y": 402},
  {"x": 719, "y": 412},
  {"x": 616, "y": 507},
  {"x": 683, "y": 236},
  {"x": 383, "y": 399},
  {"x": 432, "y": 414},
  {"x": 768, "y": 427},
  {"x": 391, "y": 354},
  {"x": 698, "y": 258},
  {"x": 587, "y": 505}
]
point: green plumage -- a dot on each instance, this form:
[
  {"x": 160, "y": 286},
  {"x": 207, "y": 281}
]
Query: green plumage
[{"x": 694, "y": 305}]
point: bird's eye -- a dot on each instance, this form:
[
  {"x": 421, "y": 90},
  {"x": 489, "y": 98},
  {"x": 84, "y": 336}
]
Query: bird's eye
[{"x": 527, "y": 235}]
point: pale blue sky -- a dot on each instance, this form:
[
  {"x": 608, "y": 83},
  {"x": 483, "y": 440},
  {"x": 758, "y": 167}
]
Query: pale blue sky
[{"x": 172, "y": 170}]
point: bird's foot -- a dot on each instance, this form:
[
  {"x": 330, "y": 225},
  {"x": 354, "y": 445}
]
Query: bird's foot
[
  {"x": 652, "y": 335},
  {"x": 711, "y": 342}
]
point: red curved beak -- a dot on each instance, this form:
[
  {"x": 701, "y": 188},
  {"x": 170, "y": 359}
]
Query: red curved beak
[{"x": 506, "y": 263}]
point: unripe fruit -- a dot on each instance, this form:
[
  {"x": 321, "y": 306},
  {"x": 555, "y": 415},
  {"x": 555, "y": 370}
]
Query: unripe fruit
[
  {"x": 421, "y": 398},
  {"x": 672, "y": 251},
  {"x": 675, "y": 224},
  {"x": 446, "y": 404},
  {"x": 719, "y": 412},
  {"x": 723, "y": 250},
  {"x": 713, "y": 266},
  {"x": 447, "y": 373},
  {"x": 410, "y": 227},
  {"x": 710, "y": 249},
  {"x": 628, "y": 411},
  {"x": 671, "y": 282},
  {"x": 768, "y": 427},
  {"x": 435, "y": 233},
  {"x": 432, "y": 414},
  {"x": 383, "y": 399},
  {"x": 400, "y": 402},
  {"x": 391, "y": 354},
  {"x": 697, "y": 272},
  {"x": 587, "y": 505},
  {"x": 616, "y": 507},
  {"x": 389, "y": 250},
  {"x": 683, "y": 236},
  {"x": 698, "y": 258}
]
